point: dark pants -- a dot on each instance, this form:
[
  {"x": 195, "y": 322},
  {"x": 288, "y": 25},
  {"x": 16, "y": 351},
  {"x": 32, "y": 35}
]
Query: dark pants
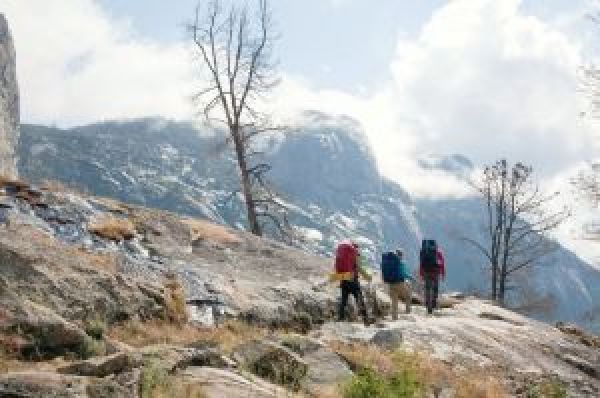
[
  {"x": 431, "y": 291},
  {"x": 353, "y": 288}
]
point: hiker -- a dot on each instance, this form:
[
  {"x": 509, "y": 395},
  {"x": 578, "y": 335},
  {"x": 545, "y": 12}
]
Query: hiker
[
  {"x": 349, "y": 267},
  {"x": 432, "y": 267},
  {"x": 396, "y": 274}
]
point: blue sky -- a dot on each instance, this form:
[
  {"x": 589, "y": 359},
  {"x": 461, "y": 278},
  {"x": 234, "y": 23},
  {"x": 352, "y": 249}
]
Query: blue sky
[
  {"x": 340, "y": 44},
  {"x": 484, "y": 78}
]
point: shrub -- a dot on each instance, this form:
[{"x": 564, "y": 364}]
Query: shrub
[
  {"x": 302, "y": 322},
  {"x": 156, "y": 382},
  {"x": 95, "y": 328},
  {"x": 90, "y": 347},
  {"x": 153, "y": 378},
  {"x": 175, "y": 301},
  {"x": 368, "y": 384},
  {"x": 547, "y": 389}
]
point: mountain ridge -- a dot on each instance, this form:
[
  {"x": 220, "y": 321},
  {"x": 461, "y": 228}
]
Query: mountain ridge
[{"x": 327, "y": 175}]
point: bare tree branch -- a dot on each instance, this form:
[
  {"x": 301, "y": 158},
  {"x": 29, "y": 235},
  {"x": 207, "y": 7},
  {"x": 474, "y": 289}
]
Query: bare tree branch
[{"x": 234, "y": 51}]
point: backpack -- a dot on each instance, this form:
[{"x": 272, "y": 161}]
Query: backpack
[
  {"x": 345, "y": 257},
  {"x": 429, "y": 256},
  {"x": 391, "y": 268}
]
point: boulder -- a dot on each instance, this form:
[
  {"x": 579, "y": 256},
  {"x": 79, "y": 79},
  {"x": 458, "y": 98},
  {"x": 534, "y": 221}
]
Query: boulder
[
  {"x": 103, "y": 366},
  {"x": 389, "y": 339},
  {"x": 273, "y": 362},
  {"x": 54, "y": 385},
  {"x": 325, "y": 368},
  {"x": 301, "y": 345},
  {"x": 172, "y": 358},
  {"x": 48, "y": 333},
  {"x": 218, "y": 383}
]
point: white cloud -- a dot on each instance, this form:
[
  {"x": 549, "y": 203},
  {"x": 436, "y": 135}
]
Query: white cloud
[
  {"x": 77, "y": 66},
  {"x": 481, "y": 78},
  {"x": 487, "y": 81}
]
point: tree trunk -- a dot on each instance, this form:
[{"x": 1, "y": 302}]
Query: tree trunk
[
  {"x": 494, "y": 281},
  {"x": 247, "y": 187},
  {"x": 502, "y": 290}
]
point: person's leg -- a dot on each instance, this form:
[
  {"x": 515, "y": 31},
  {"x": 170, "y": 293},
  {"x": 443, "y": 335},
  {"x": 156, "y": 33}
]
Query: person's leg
[
  {"x": 344, "y": 300},
  {"x": 436, "y": 282},
  {"x": 407, "y": 295},
  {"x": 360, "y": 301},
  {"x": 428, "y": 293},
  {"x": 394, "y": 298}
]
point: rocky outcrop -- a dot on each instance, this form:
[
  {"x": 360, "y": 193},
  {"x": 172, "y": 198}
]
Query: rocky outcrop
[
  {"x": 9, "y": 102},
  {"x": 54, "y": 385},
  {"x": 328, "y": 177},
  {"x": 273, "y": 362}
]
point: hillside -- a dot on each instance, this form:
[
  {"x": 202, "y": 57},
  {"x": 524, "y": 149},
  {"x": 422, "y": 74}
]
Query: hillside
[
  {"x": 101, "y": 298},
  {"x": 329, "y": 177}
]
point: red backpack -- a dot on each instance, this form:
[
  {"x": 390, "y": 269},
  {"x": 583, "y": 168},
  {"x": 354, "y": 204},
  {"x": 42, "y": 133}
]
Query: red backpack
[{"x": 345, "y": 257}]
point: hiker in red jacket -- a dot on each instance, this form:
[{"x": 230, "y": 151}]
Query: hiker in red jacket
[
  {"x": 432, "y": 267},
  {"x": 348, "y": 267}
]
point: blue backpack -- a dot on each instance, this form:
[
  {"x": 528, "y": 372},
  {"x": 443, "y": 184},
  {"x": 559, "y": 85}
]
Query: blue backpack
[{"x": 391, "y": 268}]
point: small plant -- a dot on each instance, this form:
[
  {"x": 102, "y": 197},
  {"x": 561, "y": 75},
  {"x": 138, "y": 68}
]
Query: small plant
[
  {"x": 175, "y": 302},
  {"x": 95, "y": 328},
  {"x": 302, "y": 322},
  {"x": 547, "y": 389},
  {"x": 153, "y": 379},
  {"x": 91, "y": 347},
  {"x": 368, "y": 384}
]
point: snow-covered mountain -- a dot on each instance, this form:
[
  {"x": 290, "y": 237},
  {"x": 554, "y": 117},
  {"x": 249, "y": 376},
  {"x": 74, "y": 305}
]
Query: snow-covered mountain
[{"x": 327, "y": 174}]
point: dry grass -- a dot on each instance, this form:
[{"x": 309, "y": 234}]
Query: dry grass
[
  {"x": 108, "y": 262},
  {"x": 156, "y": 382},
  {"x": 49, "y": 244},
  {"x": 479, "y": 386},
  {"x": 365, "y": 356},
  {"x": 113, "y": 228},
  {"x": 176, "y": 387},
  {"x": 205, "y": 230},
  {"x": 175, "y": 303},
  {"x": 432, "y": 374},
  {"x": 228, "y": 336}
]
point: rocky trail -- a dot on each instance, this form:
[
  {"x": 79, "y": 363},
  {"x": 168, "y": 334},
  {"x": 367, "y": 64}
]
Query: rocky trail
[{"x": 103, "y": 299}]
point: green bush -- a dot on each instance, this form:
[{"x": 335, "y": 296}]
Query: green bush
[
  {"x": 368, "y": 384},
  {"x": 153, "y": 377},
  {"x": 548, "y": 389},
  {"x": 95, "y": 328},
  {"x": 91, "y": 347}
]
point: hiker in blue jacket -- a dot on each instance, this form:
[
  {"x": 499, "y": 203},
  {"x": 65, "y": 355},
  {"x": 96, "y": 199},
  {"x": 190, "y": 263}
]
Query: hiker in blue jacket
[{"x": 398, "y": 276}]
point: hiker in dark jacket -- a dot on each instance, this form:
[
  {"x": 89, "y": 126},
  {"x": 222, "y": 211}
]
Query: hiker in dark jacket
[
  {"x": 350, "y": 285},
  {"x": 432, "y": 267}
]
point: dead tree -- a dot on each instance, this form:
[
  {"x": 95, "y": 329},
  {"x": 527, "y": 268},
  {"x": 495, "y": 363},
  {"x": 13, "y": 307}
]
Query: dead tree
[
  {"x": 517, "y": 219},
  {"x": 234, "y": 47},
  {"x": 587, "y": 183}
]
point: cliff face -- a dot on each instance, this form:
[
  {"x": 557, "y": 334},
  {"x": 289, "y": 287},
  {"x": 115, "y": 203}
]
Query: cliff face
[{"x": 9, "y": 102}]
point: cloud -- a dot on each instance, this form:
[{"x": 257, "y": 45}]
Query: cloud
[
  {"x": 481, "y": 78},
  {"x": 76, "y": 66},
  {"x": 486, "y": 80}
]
